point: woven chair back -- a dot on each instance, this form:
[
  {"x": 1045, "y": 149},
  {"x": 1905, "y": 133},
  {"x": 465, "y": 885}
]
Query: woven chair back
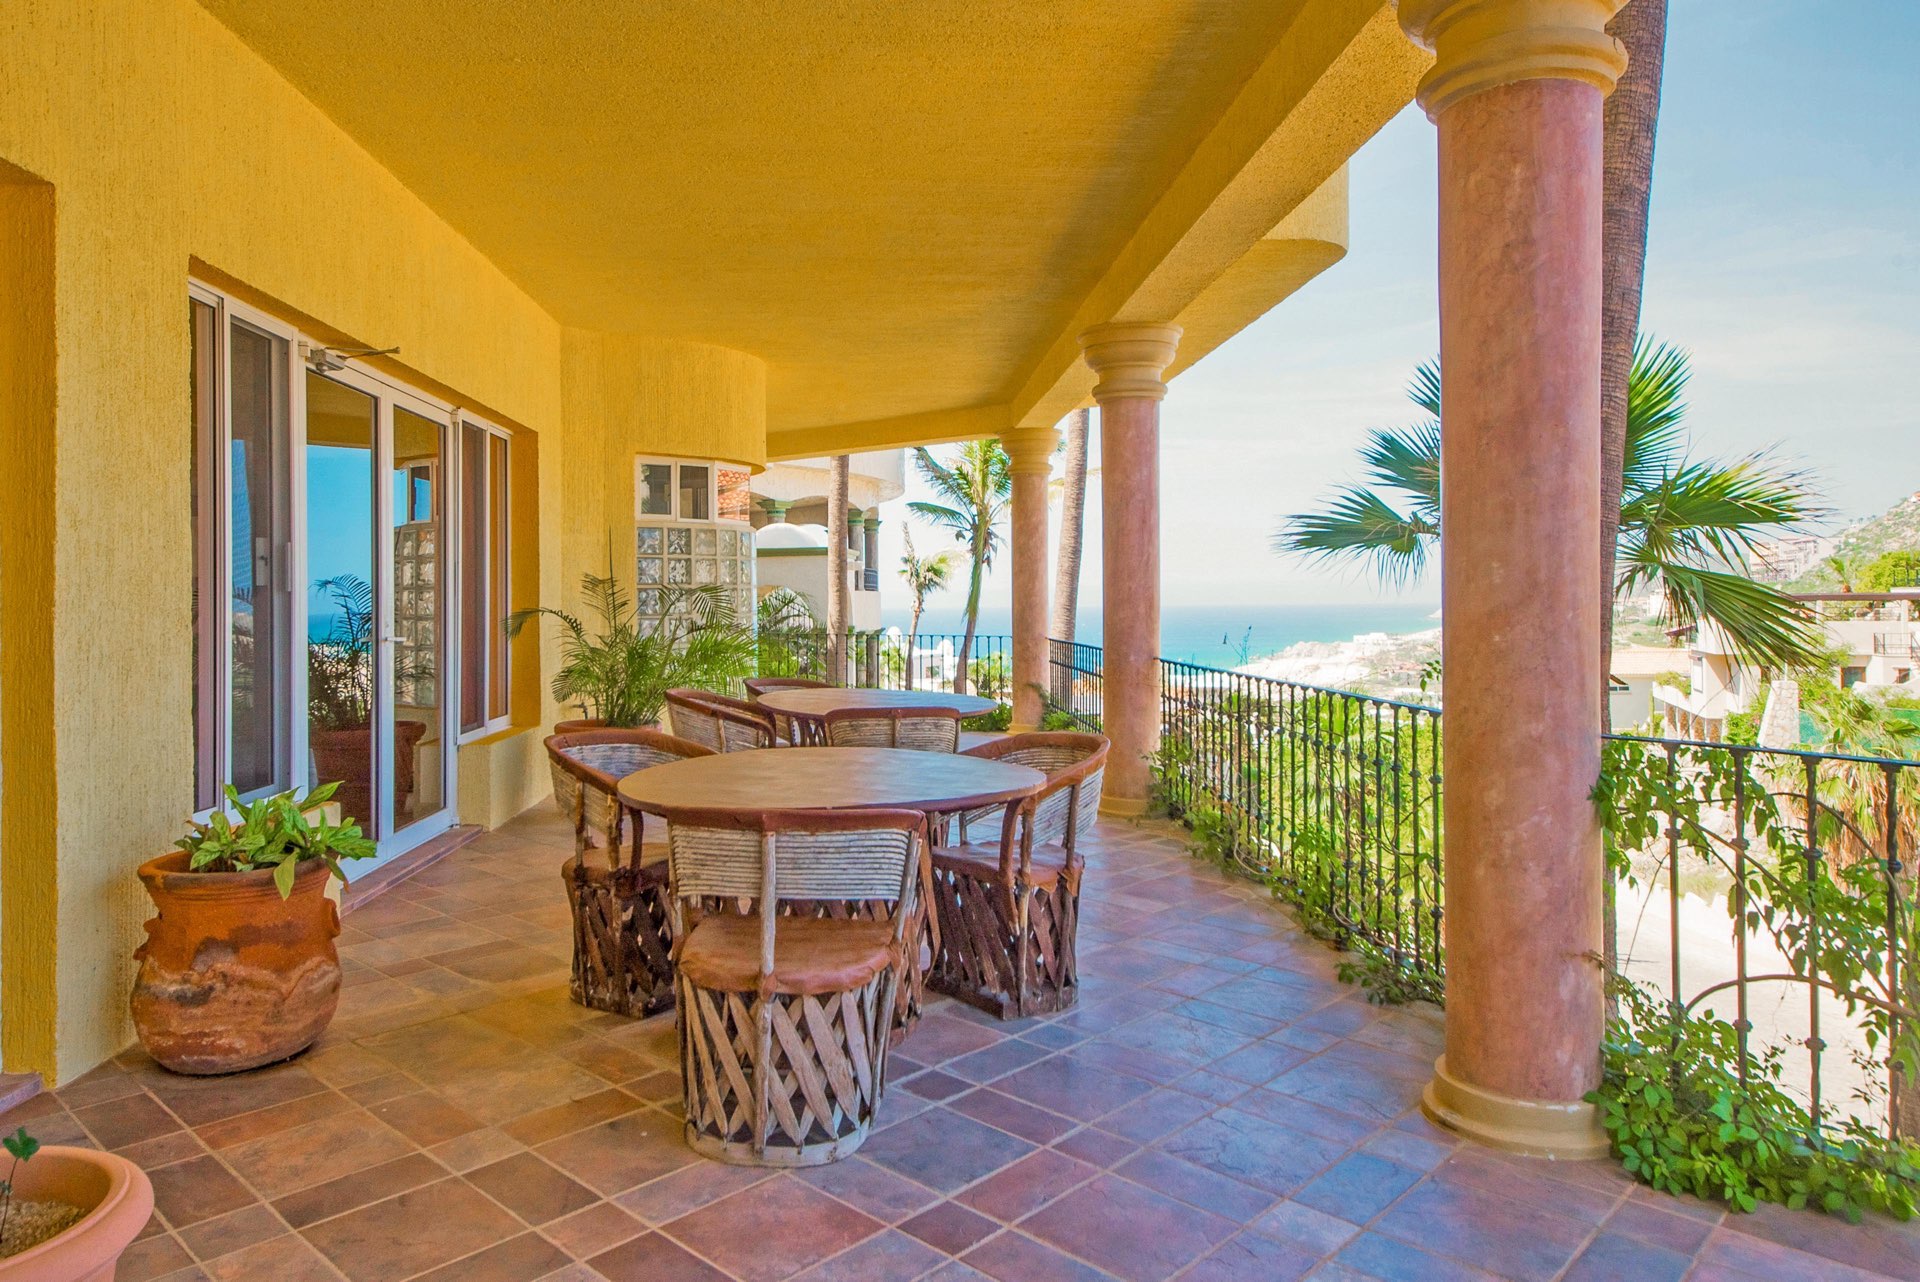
[
  {"x": 1075, "y": 766},
  {"x": 718, "y": 722},
  {"x": 796, "y": 855},
  {"x": 587, "y": 767},
  {"x": 921, "y": 729}
]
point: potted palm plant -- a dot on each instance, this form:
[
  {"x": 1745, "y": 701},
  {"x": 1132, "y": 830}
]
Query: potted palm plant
[
  {"x": 340, "y": 701},
  {"x": 239, "y": 967},
  {"x": 618, "y": 672}
]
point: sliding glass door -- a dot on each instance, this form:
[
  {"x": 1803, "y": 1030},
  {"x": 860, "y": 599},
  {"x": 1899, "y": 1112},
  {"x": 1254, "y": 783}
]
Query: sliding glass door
[{"x": 377, "y": 652}]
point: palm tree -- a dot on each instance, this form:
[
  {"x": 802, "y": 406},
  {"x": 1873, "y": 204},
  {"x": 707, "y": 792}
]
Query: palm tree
[
  {"x": 1680, "y": 521},
  {"x": 924, "y": 575},
  {"x": 1627, "y": 137},
  {"x": 1073, "y": 520},
  {"x": 1845, "y": 568},
  {"x": 975, "y": 488},
  {"x": 837, "y": 533}
]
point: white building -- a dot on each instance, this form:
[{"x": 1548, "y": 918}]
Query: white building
[
  {"x": 1875, "y": 636},
  {"x": 790, "y": 529}
]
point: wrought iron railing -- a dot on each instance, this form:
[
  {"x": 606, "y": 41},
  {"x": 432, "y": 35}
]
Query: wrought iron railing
[
  {"x": 1774, "y": 889},
  {"x": 1770, "y": 888},
  {"x": 1900, "y": 645},
  {"x": 879, "y": 660}
]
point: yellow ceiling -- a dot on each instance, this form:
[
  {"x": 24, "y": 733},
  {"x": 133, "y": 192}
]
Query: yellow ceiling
[{"x": 902, "y": 207}]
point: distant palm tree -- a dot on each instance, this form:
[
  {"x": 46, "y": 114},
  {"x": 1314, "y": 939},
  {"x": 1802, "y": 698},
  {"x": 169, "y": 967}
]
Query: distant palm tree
[
  {"x": 838, "y": 535},
  {"x": 1681, "y": 521},
  {"x": 1073, "y": 520},
  {"x": 924, "y": 575},
  {"x": 1845, "y": 568},
  {"x": 975, "y": 488}
]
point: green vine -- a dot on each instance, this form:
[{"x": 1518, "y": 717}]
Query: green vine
[{"x": 1690, "y": 1104}]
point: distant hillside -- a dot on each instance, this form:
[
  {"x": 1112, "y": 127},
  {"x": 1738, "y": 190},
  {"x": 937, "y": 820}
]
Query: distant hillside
[{"x": 1895, "y": 530}]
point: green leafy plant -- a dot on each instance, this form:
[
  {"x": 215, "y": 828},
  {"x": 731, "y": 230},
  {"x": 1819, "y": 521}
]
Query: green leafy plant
[
  {"x": 279, "y": 832},
  {"x": 974, "y": 487},
  {"x": 340, "y": 665},
  {"x": 620, "y": 671},
  {"x": 21, "y": 1147},
  {"x": 1684, "y": 1119}
]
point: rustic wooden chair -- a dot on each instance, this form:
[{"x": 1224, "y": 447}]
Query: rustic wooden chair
[
  {"x": 788, "y": 729},
  {"x": 786, "y": 1006},
  {"x": 925, "y": 729},
  {"x": 1009, "y": 906},
  {"x": 718, "y": 721},
  {"x": 622, "y": 945}
]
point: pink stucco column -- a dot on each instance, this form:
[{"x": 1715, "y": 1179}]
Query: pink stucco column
[
  {"x": 1517, "y": 91},
  {"x": 1031, "y": 451},
  {"x": 1130, "y": 358}
]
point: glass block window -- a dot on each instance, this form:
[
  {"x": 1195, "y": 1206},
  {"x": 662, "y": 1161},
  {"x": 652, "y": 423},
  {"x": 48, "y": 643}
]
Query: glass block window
[{"x": 691, "y": 531}]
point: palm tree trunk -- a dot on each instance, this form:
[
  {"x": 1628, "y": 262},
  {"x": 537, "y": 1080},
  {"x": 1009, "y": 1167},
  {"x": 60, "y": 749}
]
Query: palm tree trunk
[
  {"x": 1632, "y": 117},
  {"x": 913, "y": 643},
  {"x": 973, "y": 617},
  {"x": 1066, "y": 574},
  {"x": 837, "y": 534}
]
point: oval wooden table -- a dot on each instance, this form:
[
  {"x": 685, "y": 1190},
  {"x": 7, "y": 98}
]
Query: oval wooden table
[
  {"x": 828, "y": 779},
  {"x": 807, "y": 704},
  {"x": 839, "y": 779}
]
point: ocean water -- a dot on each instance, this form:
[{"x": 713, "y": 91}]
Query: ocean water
[{"x": 1220, "y": 636}]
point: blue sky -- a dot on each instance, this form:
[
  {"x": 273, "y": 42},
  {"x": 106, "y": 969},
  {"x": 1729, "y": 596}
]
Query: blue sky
[{"x": 1784, "y": 253}]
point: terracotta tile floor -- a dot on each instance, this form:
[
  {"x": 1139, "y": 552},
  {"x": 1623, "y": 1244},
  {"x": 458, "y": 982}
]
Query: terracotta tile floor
[{"x": 1218, "y": 1107}]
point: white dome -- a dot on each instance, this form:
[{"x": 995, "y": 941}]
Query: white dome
[{"x": 784, "y": 534}]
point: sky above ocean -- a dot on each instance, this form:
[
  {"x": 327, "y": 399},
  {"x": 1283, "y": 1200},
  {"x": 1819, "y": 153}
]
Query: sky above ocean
[{"x": 1783, "y": 254}]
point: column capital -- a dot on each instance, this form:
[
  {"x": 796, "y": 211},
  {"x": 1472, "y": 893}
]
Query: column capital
[
  {"x": 1031, "y": 449},
  {"x": 1130, "y": 357},
  {"x": 872, "y": 519},
  {"x": 1481, "y": 44}
]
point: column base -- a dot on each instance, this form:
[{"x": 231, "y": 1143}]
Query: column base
[
  {"x": 1122, "y": 807},
  {"x": 1569, "y": 1132}
]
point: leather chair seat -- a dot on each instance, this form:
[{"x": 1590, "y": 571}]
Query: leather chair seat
[
  {"x": 812, "y": 955},
  {"x": 981, "y": 861}
]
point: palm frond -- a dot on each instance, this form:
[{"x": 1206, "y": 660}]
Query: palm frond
[
  {"x": 1358, "y": 525},
  {"x": 1656, "y": 413},
  {"x": 1764, "y": 627},
  {"x": 1408, "y": 459},
  {"x": 1715, "y": 511},
  {"x": 1424, "y": 390}
]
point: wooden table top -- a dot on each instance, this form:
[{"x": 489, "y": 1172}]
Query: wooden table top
[
  {"x": 827, "y": 779},
  {"x": 818, "y": 701}
]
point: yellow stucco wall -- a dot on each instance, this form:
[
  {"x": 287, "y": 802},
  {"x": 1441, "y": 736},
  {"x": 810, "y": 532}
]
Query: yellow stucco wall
[{"x": 162, "y": 146}]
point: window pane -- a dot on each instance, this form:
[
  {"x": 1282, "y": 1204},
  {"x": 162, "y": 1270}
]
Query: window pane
[
  {"x": 736, "y": 494},
  {"x": 256, "y": 522},
  {"x": 656, "y": 489},
  {"x": 208, "y": 731},
  {"x": 473, "y": 577},
  {"x": 417, "y": 612},
  {"x": 695, "y": 502},
  {"x": 340, "y": 478},
  {"x": 500, "y": 513}
]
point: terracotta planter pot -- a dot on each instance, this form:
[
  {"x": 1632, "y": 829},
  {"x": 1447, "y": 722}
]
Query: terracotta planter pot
[
  {"x": 576, "y": 726},
  {"x": 347, "y": 756},
  {"x": 120, "y": 1200},
  {"x": 232, "y": 976}
]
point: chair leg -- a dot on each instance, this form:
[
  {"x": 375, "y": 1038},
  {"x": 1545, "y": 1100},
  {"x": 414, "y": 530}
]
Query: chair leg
[{"x": 789, "y": 1080}]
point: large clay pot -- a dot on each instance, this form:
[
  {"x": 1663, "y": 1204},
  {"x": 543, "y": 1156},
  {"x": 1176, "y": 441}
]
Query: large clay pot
[
  {"x": 578, "y": 724},
  {"x": 347, "y": 756},
  {"x": 232, "y": 976},
  {"x": 120, "y": 1199}
]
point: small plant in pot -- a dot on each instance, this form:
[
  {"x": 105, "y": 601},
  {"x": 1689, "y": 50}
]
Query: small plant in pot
[
  {"x": 67, "y": 1214},
  {"x": 340, "y": 700},
  {"x": 618, "y": 674},
  {"x": 239, "y": 967}
]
